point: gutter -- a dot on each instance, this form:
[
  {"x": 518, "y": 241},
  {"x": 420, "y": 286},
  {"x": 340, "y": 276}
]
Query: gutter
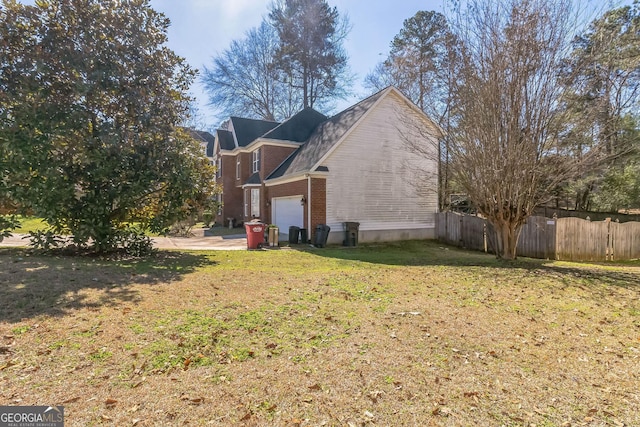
[{"x": 308, "y": 205}]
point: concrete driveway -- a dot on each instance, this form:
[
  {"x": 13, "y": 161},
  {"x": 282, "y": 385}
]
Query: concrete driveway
[{"x": 227, "y": 243}]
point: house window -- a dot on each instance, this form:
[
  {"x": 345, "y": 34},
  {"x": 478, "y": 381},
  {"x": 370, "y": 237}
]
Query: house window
[
  {"x": 246, "y": 203},
  {"x": 255, "y": 202},
  {"x": 238, "y": 168},
  {"x": 219, "y": 167},
  {"x": 256, "y": 161}
]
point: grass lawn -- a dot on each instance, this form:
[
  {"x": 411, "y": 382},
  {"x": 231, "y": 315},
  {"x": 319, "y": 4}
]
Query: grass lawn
[
  {"x": 411, "y": 334},
  {"x": 30, "y": 223}
]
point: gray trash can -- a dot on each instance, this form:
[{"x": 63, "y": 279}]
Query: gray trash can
[
  {"x": 351, "y": 230},
  {"x": 303, "y": 235},
  {"x": 322, "y": 234},
  {"x": 294, "y": 234}
]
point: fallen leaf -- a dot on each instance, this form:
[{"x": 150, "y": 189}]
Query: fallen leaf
[
  {"x": 110, "y": 403},
  {"x": 369, "y": 414},
  {"x": 374, "y": 395},
  {"x": 106, "y": 418},
  {"x": 136, "y": 385},
  {"x": 6, "y": 365},
  {"x": 193, "y": 400},
  {"x": 246, "y": 417},
  {"x": 470, "y": 394},
  {"x": 315, "y": 387},
  {"x": 187, "y": 362},
  {"x": 71, "y": 400}
]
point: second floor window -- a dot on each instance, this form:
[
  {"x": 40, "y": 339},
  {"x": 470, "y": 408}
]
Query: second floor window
[
  {"x": 219, "y": 167},
  {"x": 256, "y": 161},
  {"x": 238, "y": 168}
]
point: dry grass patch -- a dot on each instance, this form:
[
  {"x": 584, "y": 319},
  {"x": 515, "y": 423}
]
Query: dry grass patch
[{"x": 412, "y": 334}]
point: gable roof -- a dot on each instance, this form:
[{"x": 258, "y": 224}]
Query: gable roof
[
  {"x": 225, "y": 139},
  {"x": 254, "y": 179},
  {"x": 247, "y": 130},
  {"x": 325, "y": 137},
  {"x": 297, "y": 128}
]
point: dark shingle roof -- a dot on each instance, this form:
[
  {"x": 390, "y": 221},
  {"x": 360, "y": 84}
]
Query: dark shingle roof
[
  {"x": 202, "y": 135},
  {"x": 298, "y": 128},
  {"x": 204, "y": 138},
  {"x": 247, "y": 130},
  {"x": 225, "y": 138},
  {"x": 254, "y": 179},
  {"x": 324, "y": 138}
]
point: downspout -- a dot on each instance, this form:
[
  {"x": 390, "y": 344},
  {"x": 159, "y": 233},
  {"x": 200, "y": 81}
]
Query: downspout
[{"x": 309, "y": 206}]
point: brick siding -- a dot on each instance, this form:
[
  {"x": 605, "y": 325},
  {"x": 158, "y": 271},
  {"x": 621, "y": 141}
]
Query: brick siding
[
  {"x": 271, "y": 158},
  {"x": 318, "y": 200}
]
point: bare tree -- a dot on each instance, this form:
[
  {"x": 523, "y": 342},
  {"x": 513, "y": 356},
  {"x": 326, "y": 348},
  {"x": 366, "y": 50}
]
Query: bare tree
[
  {"x": 506, "y": 103},
  {"x": 245, "y": 79}
]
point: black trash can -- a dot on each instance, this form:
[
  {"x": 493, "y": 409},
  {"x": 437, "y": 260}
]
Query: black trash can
[
  {"x": 351, "y": 233},
  {"x": 322, "y": 234},
  {"x": 294, "y": 234},
  {"x": 303, "y": 235}
]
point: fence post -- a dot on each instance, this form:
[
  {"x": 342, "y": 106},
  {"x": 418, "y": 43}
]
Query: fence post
[
  {"x": 609, "y": 255},
  {"x": 484, "y": 235},
  {"x": 446, "y": 227}
]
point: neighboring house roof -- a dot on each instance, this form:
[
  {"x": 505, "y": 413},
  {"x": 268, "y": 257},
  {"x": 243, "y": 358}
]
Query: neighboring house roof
[
  {"x": 298, "y": 128},
  {"x": 204, "y": 138},
  {"x": 225, "y": 139},
  {"x": 247, "y": 130},
  {"x": 324, "y": 137}
]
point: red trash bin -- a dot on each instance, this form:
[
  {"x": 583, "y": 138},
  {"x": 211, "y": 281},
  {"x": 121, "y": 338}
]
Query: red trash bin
[{"x": 255, "y": 234}]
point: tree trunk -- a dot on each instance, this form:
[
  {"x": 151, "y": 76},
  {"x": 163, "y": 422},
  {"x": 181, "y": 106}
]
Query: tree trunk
[{"x": 506, "y": 240}]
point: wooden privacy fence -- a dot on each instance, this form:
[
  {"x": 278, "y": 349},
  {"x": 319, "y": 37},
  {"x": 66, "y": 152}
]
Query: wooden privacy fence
[{"x": 569, "y": 239}]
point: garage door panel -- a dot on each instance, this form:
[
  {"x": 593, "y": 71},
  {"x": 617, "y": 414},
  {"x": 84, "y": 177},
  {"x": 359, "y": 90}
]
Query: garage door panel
[{"x": 287, "y": 211}]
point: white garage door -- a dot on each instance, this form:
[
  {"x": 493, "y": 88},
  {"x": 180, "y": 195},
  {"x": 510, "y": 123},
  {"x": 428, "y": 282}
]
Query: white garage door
[{"x": 287, "y": 211}]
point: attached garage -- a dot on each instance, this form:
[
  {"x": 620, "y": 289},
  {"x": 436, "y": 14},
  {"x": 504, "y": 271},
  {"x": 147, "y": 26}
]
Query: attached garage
[{"x": 287, "y": 211}]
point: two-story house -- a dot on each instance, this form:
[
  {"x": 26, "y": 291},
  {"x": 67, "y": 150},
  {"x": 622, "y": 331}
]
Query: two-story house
[{"x": 360, "y": 165}]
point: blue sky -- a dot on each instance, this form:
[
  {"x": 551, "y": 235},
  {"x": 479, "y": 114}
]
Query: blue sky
[{"x": 202, "y": 28}]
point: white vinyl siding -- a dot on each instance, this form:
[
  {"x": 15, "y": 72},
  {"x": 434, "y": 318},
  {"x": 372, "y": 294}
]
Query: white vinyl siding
[{"x": 373, "y": 176}]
